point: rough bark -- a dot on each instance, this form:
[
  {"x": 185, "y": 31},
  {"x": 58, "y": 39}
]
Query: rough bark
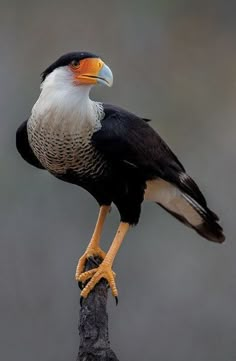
[{"x": 93, "y": 324}]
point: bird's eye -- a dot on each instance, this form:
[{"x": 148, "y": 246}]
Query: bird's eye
[{"x": 75, "y": 63}]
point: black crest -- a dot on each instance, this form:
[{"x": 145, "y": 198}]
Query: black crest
[{"x": 66, "y": 59}]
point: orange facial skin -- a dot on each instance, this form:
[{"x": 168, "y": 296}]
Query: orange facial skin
[{"x": 86, "y": 72}]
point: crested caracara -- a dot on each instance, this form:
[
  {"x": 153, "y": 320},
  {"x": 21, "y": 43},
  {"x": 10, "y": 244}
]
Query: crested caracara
[{"x": 113, "y": 154}]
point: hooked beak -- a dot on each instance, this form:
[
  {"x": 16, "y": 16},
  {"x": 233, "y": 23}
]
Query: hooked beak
[
  {"x": 105, "y": 76},
  {"x": 91, "y": 71}
]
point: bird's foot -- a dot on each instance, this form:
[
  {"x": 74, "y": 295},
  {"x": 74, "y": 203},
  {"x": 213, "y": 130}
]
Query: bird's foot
[
  {"x": 96, "y": 274},
  {"x": 90, "y": 252}
]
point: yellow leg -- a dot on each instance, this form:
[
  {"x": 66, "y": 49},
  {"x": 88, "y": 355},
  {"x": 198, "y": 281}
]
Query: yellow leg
[
  {"x": 105, "y": 269},
  {"x": 93, "y": 248}
]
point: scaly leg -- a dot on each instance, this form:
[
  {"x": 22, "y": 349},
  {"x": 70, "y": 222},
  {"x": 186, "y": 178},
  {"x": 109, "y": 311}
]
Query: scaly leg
[
  {"x": 93, "y": 248},
  {"x": 105, "y": 268}
]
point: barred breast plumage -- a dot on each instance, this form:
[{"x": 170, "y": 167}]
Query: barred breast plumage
[{"x": 63, "y": 143}]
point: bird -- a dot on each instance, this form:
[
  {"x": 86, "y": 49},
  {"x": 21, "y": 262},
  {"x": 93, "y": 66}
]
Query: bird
[{"x": 112, "y": 153}]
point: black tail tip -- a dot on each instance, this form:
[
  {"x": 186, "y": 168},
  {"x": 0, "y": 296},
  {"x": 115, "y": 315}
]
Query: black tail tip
[
  {"x": 218, "y": 239},
  {"x": 211, "y": 231}
]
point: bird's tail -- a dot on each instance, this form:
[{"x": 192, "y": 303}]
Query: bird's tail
[
  {"x": 187, "y": 210},
  {"x": 208, "y": 226}
]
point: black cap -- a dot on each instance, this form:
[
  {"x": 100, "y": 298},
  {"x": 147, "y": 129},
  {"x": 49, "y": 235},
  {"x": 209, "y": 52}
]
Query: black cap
[{"x": 66, "y": 59}]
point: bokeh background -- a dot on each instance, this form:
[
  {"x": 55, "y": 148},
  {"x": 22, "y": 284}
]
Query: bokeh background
[{"x": 173, "y": 62}]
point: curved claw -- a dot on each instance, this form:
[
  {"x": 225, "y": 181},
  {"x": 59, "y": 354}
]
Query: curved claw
[
  {"x": 116, "y": 298},
  {"x": 80, "y": 284}
]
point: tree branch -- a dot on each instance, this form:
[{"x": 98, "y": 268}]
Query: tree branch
[{"x": 93, "y": 324}]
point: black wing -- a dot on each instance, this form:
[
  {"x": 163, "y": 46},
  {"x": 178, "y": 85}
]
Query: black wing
[
  {"x": 23, "y": 147},
  {"x": 126, "y": 137}
]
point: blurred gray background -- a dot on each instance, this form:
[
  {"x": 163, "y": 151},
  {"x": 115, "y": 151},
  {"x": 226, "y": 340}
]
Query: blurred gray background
[{"x": 173, "y": 62}]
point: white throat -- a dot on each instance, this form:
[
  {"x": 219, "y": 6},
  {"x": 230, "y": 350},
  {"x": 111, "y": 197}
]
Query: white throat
[{"x": 61, "y": 100}]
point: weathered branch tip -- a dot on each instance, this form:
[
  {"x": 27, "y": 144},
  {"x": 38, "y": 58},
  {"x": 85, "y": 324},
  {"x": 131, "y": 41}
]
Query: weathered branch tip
[{"x": 93, "y": 324}]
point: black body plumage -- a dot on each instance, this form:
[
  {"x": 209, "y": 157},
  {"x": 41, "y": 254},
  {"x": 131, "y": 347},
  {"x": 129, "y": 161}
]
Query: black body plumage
[{"x": 23, "y": 146}]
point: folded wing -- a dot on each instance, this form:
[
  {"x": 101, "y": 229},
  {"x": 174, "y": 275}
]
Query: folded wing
[{"x": 127, "y": 138}]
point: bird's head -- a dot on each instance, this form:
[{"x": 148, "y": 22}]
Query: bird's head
[{"x": 80, "y": 69}]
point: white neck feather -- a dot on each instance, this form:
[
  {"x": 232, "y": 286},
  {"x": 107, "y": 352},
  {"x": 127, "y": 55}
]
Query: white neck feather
[{"x": 66, "y": 101}]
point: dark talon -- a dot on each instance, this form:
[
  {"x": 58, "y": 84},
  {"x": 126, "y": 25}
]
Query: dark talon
[
  {"x": 116, "y": 298},
  {"x": 81, "y": 301},
  {"x": 80, "y": 284}
]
